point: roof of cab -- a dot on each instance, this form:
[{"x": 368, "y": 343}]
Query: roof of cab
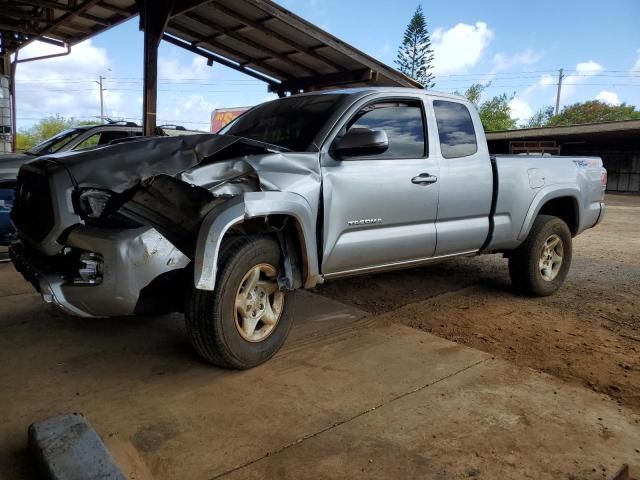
[{"x": 390, "y": 90}]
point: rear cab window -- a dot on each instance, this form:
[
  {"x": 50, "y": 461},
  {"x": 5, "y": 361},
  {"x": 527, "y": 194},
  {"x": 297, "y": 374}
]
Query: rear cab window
[{"x": 455, "y": 129}]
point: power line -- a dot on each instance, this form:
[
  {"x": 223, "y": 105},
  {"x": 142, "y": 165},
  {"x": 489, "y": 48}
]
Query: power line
[{"x": 138, "y": 119}]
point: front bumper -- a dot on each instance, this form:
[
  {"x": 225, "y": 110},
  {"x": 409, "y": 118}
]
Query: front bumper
[{"x": 132, "y": 259}]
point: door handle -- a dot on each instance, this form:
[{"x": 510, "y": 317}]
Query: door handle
[{"x": 424, "y": 178}]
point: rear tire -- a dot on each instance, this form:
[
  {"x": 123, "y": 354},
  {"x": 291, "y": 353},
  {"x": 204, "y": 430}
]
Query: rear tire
[
  {"x": 246, "y": 319},
  {"x": 540, "y": 265}
]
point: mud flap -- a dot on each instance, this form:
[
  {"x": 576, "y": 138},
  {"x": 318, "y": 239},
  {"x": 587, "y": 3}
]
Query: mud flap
[{"x": 290, "y": 277}]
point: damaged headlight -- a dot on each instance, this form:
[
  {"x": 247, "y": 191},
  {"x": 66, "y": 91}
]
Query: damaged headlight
[{"x": 91, "y": 203}]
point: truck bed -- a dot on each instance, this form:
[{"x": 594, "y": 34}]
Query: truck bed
[{"x": 524, "y": 183}]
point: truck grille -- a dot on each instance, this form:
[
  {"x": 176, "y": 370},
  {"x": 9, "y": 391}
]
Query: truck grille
[
  {"x": 32, "y": 211},
  {"x": 18, "y": 256}
]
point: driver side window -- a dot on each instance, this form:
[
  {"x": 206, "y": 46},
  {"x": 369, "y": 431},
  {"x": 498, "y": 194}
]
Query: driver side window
[{"x": 403, "y": 122}]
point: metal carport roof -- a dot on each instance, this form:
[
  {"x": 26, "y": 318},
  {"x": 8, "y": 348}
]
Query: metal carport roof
[
  {"x": 59, "y": 23},
  {"x": 257, "y": 37}
]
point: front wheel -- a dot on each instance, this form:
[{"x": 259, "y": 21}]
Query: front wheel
[
  {"x": 246, "y": 319},
  {"x": 541, "y": 264}
]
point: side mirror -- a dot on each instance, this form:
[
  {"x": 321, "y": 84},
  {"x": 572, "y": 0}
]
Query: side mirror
[{"x": 360, "y": 142}]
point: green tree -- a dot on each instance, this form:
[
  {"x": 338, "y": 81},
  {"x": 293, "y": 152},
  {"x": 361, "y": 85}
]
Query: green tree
[
  {"x": 45, "y": 128},
  {"x": 415, "y": 55},
  {"x": 540, "y": 118},
  {"x": 495, "y": 113},
  {"x": 594, "y": 111},
  {"x": 474, "y": 93}
]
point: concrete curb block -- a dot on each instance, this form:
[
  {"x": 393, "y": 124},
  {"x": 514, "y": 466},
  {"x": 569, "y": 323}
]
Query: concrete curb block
[{"x": 68, "y": 448}]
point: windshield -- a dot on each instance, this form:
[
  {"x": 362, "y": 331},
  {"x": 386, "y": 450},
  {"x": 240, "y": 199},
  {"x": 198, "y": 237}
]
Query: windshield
[
  {"x": 291, "y": 122},
  {"x": 55, "y": 143}
]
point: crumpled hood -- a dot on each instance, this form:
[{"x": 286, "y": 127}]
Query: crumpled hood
[{"x": 122, "y": 166}]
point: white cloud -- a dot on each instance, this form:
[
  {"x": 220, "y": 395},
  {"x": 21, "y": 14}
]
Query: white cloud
[
  {"x": 546, "y": 80},
  {"x": 65, "y": 85},
  {"x": 583, "y": 71},
  {"x": 185, "y": 109},
  {"x": 460, "y": 47},
  {"x": 543, "y": 83},
  {"x": 68, "y": 86},
  {"x": 173, "y": 68},
  {"x": 385, "y": 50},
  {"x": 503, "y": 62},
  {"x": 570, "y": 82},
  {"x": 520, "y": 109},
  {"x": 608, "y": 97},
  {"x": 636, "y": 66}
]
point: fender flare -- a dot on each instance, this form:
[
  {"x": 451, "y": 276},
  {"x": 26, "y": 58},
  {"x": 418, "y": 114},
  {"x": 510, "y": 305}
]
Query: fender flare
[
  {"x": 542, "y": 197},
  {"x": 251, "y": 205}
]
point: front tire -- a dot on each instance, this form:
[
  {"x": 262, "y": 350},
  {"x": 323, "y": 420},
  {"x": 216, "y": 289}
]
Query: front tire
[
  {"x": 541, "y": 264},
  {"x": 246, "y": 319}
]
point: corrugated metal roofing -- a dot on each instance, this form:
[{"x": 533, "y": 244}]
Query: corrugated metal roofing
[
  {"x": 58, "y": 22},
  {"x": 258, "y": 37}
]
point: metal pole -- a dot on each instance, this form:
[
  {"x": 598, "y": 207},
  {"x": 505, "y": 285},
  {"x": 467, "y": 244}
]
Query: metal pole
[
  {"x": 12, "y": 93},
  {"x": 560, "y": 77},
  {"x": 154, "y": 18},
  {"x": 12, "y": 83},
  {"x": 101, "y": 100}
]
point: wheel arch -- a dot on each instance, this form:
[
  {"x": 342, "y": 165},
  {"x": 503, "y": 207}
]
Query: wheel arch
[
  {"x": 561, "y": 202},
  {"x": 565, "y": 208},
  {"x": 285, "y": 214}
]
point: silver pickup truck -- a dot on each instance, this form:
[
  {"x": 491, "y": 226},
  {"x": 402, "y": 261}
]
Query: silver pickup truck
[{"x": 293, "y": 193}]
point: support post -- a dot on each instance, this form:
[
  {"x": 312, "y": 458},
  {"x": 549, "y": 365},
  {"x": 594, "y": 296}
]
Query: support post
[
  {"x": 154, "y": 16},
  {"x": 12, "y": 93},
  {"x": 560, "y": 77},
  {"x": 101, "y": 100},
  {"x": 6, "y": 127}
]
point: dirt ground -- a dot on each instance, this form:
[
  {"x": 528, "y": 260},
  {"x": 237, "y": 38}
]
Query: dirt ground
[
  {"x": 586, "y": 334},
  {"x": 353, "y": 395}
]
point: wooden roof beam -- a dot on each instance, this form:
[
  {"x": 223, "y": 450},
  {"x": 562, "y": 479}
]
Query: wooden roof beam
[
  {"x": 326, "y": 39},
  {"x": 243, "y": 58},
  {"x": 214, "y": 57},
  {"x": 259, "y": 25},
  {"x": 330, "y": 80},
  {"x": 46, "y": 4},
  {"x": 241, "y": 38}
]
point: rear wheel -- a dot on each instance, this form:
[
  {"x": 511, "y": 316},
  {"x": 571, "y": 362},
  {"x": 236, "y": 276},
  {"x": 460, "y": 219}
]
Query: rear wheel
[
  {"x": 246, "y": 319},
  {"x": 541, "y": 264}
]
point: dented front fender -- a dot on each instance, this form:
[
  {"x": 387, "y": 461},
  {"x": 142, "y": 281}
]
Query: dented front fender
[{"x": 253, "y": 205}]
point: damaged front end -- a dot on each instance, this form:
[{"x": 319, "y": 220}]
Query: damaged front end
[
  {"x": 175, "y": 208},
  {"x": 193, "y": 192}
]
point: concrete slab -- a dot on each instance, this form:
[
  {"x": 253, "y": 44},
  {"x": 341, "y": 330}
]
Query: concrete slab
[
  {"x": 345, "y": 394},
  {"x": 492, "y": 420},
  {"x": 11, "y": 282}
]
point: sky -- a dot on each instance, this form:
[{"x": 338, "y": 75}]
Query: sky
[{"x": 517, "y": 46}]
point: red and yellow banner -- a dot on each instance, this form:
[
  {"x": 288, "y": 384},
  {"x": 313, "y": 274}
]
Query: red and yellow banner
[{"x": 222, "y": 116}]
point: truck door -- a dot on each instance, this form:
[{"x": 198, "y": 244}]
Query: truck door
[
  {"x": 466, "y": 179},
  {"x": 380, "y": 209}
]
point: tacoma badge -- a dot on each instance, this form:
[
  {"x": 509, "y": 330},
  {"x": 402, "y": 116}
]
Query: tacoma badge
[{"x": 364, "y": 221}]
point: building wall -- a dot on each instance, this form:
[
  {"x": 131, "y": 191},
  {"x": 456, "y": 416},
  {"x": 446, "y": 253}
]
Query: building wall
[
  {"x": 5, "y": 115},
  {"x": 620, "y": 155}
]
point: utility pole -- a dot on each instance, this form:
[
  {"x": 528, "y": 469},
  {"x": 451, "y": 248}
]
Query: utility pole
[
  {"x": 102, "y": 100},
  {"x": 560, "y": 77}
]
